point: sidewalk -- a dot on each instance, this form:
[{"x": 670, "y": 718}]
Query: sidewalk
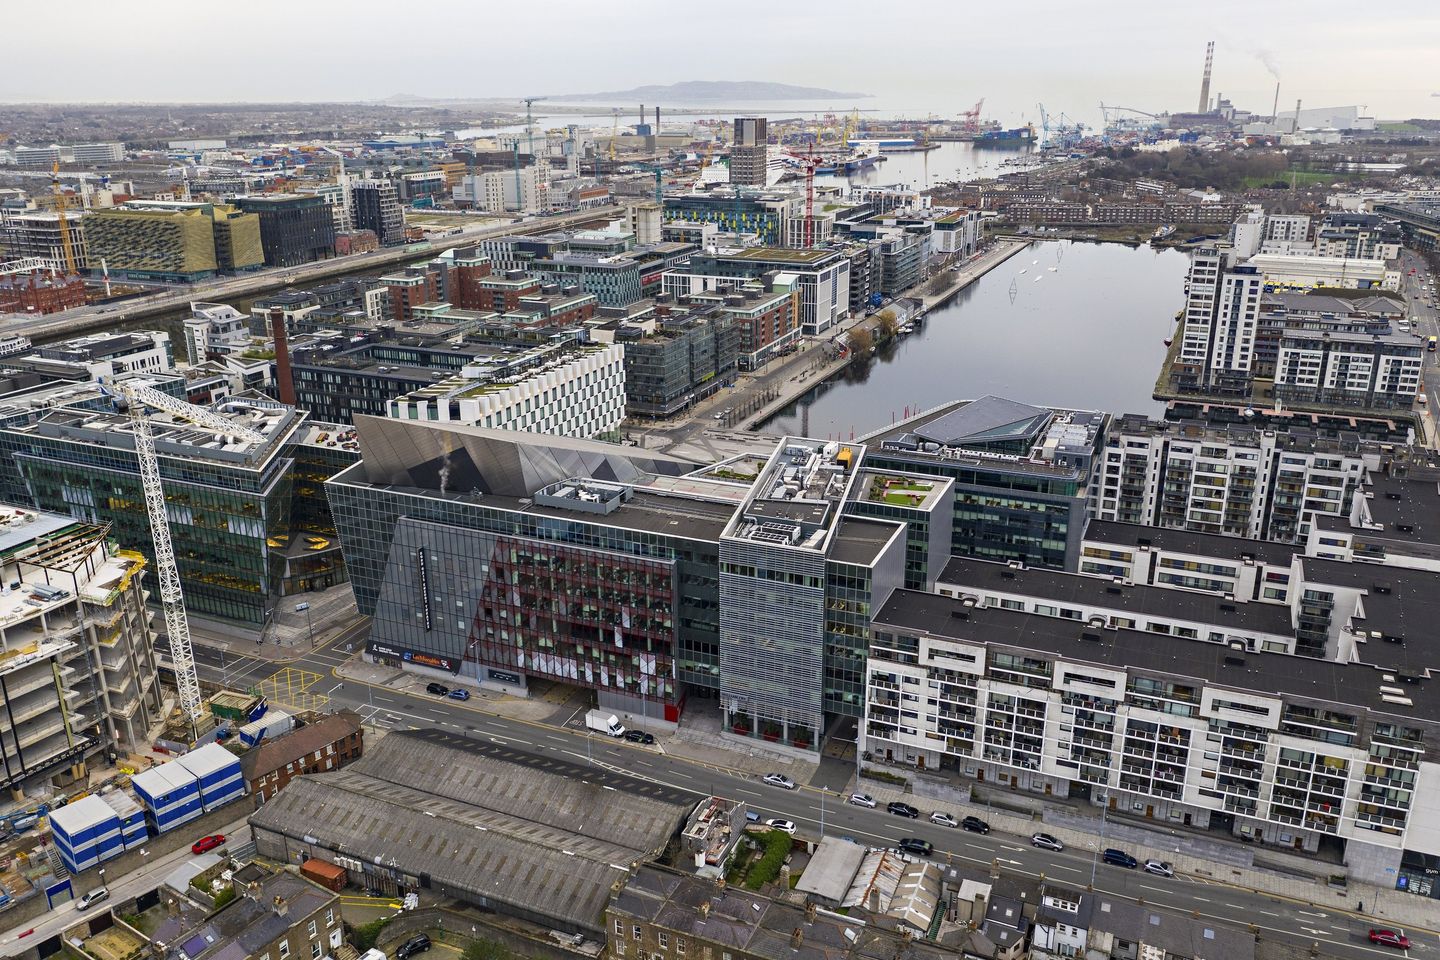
[
  {"x": 288, "y": 634},
  {"x": 1194, "y": 857}
]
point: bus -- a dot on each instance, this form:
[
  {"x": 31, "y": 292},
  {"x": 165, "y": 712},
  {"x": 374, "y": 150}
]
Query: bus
[{"x": 1430, "y": 345}]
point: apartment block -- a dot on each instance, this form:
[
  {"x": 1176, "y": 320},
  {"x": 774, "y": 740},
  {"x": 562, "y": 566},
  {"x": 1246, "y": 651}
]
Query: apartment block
[
  {"x": 36, "y": 234},
  {"x": 375, "y": 206},
  {"x": 1220, "y": 324},
  {"x": 749, "y": 153},
  {"x": 1368, "y": 371}
]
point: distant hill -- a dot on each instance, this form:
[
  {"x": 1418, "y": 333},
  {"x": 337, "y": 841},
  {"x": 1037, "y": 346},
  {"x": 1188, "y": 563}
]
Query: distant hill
[{"x": 690, "y": 91}]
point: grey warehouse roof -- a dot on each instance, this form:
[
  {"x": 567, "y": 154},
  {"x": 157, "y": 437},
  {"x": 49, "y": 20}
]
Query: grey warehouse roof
[{"x": 509, "y": 828}]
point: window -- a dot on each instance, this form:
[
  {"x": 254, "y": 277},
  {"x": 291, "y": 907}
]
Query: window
[
  {"x": 310, "y": 930},
  {"x": 284, "y": 949},
  {"x": 619, "y": 928},
  {"x": 315, "y": 951},
  {"x": 680, "y": 946},
  {"x": 662, "y": 939},
  {"x": 329, "y": 918},
  {"x": 635, "y": 931}
]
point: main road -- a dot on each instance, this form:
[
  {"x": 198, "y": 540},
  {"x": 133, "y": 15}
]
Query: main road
[
  {"x": 817, "y": 808},
  {"x": 71, "y": 322}
]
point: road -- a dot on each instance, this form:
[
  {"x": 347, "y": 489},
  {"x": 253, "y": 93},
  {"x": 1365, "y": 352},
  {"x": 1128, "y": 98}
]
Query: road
[
  {"x": 817, "y": 808},
  {"x": 1425, "y": 321},
  {"x": 71, "y": 322}
]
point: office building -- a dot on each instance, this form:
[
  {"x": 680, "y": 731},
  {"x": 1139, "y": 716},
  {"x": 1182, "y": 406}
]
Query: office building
[
  {"x": 294, "y": 228},
  {"x": 1241, "y": 481},
  {"x": 749, "y": 153},
  {"x": 502, "y": 189},
  {"x": 36, "y": 234},
  {"x": 99, "y": 153},
  {"x": 674, "y": 362},
  {"x": 1022, "y": 474},
  {"x": 822, "y": 277},
  {"x": 78, "y": 673},
  {"x": 39, "y": 293},
  {"x": 66, "y": 450},
  {"x": 614, "y": 280},
  {"x": 765, "y": 214},
  {"x": 44, "y": 156},
  {"x": 375, "y": 206},
  {"x": 171, "y": 240},
  {"x": 765, "y": 320}
]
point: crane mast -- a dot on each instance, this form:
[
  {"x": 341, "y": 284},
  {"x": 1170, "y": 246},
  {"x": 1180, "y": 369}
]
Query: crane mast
[
  {"x": 60, "y": 219},
  {"x": 177, "y": 625}
]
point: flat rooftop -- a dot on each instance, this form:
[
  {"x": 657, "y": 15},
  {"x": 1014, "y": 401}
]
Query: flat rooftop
[
  {"x": 861, "y": 540},
  {"x": 1140, "y": 600},
  {"x": 1409, "y": 507},
  {"x": 1264, "y": 674},
  {"x": 1399, "y": 603},
  {"x": 793, "y": 256},
  {"x": 1184, "y": 541}
]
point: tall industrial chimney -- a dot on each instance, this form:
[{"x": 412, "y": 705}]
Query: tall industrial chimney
[
  {"x": 1205, "y": 81},
  {"x": 1275, "y": 108},
  {"x": 1295, "y": 126},
  {"x": 284, "y": 378},
  {"x": 657, "y": 121}
]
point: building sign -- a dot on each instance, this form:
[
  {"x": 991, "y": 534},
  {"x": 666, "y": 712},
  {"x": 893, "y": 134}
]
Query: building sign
[
  {"x": 504, "y": 676},
  {"x": 424, "y": 589},
  {"x": 417, "y": 657}
]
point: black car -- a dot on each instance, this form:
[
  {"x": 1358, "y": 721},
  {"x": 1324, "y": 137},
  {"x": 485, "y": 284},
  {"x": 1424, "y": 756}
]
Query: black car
[
  {"x": 639, "y": 736},
  {"x": 416, "y": 944},
  {"x": 975, "y": 825},
  {"x": 1119, "y": 858},
  {"x": 902, "y": 810},
  {"x": 439, "y": 689},
  {"x": 916, "y": 846}
]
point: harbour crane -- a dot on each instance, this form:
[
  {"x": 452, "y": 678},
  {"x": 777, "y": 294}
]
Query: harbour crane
[
  {"x": 972, "y": 117},
  {"x": 1044, "y": 124},
  {"x": 137, "y": 400},
  {"x": 66, "y": 247}
]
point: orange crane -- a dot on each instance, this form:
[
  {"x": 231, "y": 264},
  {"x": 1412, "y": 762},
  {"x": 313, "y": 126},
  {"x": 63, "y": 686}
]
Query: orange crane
[
  {"x": 60, "y": 219},
  {"x": 809, "y": 161},
  {"x": 972, "y": 117}
]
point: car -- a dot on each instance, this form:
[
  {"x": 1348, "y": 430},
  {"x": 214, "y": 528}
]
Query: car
[
  {"x": 902, "y": 810},
  {"x": 438, "y": 689},
  {"x": 639, "y": 736},
  {"x": 416, "y": 944},
  {"x": 459, "y": 693},
  {"x": 208, "y": 843},
  {"x": 917, "y": 846},
  {"x": 779, "y": 780},
  {"x": 751, "y": 816},
  {"x": 777, "y": 823},
  {"x": 1389, "y": 938},
  {"x": 975, "y": 825},
  {"x": 1119, "y": 858},
  {"x": 862, "y": 800},
  {"x": 1160, "y": 868},
  {"x": 1046, "y": 842},
  {"x": 92, "y": 898},
  {"x": 944, "y": 819}
]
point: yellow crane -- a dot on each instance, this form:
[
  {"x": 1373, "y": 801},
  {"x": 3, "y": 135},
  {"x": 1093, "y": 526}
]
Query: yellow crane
[
  {"x": 65, "y": 245},
  {"x": 614, "y": 134}
]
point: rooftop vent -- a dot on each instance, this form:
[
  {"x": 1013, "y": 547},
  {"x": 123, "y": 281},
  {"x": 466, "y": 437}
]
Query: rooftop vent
[
  {"x": 1382, "y": 587},
  {"x": 960, "y": 614},
  {"x": 1091, "y": 636}
]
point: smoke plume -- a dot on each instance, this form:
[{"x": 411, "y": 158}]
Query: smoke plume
[{"x": 1267, "y": 57}]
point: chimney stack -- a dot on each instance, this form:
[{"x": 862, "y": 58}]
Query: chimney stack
[
  {"x": 1275, "y": 109},
  {"x": 797, "y": 938},
  {"x": 1295, "y": 127},
  {"x": 284, "y": 379},
  {"x": 1205, "y": 81}
]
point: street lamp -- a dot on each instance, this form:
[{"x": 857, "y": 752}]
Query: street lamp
[{"x": 305, "y": 609}]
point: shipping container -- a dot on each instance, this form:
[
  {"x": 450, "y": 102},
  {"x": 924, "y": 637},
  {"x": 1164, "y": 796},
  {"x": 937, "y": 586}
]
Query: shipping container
[{"x": 328, "y": 875}]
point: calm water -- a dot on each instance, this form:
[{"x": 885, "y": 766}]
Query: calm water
[{"x": 1089, "y": 334}]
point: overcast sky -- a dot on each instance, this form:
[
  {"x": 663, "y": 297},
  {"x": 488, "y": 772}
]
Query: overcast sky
[{"x": 916, "y": 57}]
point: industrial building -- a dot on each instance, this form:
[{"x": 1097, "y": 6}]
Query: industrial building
[
  {"x": 536, "y": 838},
  {"x": 78, "y": 674}
]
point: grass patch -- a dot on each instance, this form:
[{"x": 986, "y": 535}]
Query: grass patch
[
  {"x": 885, "y": 776},
  {"x": 1302, "y": 178}
]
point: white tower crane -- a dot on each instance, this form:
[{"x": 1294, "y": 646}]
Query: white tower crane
[{"x": 136, "y": 398}]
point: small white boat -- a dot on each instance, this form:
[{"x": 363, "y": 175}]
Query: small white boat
[
  {"x": 1033, "y": 262},
  {"x": 1052, "y": 269},
  {"x": 1022, "y": 271},
  {"x": 1039, "y": 278}
]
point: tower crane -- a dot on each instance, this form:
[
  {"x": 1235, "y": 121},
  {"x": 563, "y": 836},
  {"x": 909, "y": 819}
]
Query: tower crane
[
  {"x": 614, "y": 134},
  {"x": 530, "y": 124},
  {"x": 134, "y": 399},
  {"x": 809, "y": 161},
  {"x": 66, "y": 246}
]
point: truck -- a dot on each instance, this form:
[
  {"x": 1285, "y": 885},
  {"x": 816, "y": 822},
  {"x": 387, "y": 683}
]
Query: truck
[{"x": 603, "y": 721}]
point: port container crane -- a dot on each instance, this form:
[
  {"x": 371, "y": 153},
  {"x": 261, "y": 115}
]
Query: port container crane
[
  {"x": 137, "y": 401},
  {"x": 972, "y": 117}
]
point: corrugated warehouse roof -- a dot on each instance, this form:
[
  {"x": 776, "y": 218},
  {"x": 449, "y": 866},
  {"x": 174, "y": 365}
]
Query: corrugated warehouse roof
[{"x": 509, "y": 828}]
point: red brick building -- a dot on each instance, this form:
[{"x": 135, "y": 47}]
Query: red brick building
[
  {"x": 410, "y": 289},
  {"x": 39, "y": 292},
  {"x": 328, "y": 743},
  {"x": 502, "y": 294},
  {"x": 465, "y": 277}
]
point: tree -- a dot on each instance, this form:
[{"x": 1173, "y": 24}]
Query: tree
[
  {"x": 487, "y": 950},
  {"x": 862, "y": 343},
  {"x": 886, "y": 324}
]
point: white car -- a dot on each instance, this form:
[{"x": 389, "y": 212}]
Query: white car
[
  {"x": 92, "y": 898},
  {"x": 862, "y": 800},
  {"x": 788, "y": 826},
  {"x": 1160, "y": 868},
  {"x": 944, "y": 819},
  {"x": 779, "y": 780}
]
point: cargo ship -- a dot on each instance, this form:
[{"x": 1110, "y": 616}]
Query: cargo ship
[{"x": 1014, "y": 137}]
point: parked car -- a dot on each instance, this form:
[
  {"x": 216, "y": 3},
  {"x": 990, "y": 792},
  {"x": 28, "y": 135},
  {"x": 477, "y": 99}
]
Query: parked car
[
  {"x": 862, "y": 800},
  {"x": 416, "y": 944},
  {"x": 639, "y": 736},
  {"x": 1389, "y": 938},
  {"x": 1046, "y": 842},
  {"x": 902, "y": 810},
  {"x": 438, "y": 689},
  {"x": 751, "y": 816},
  {"x": 944, "y": 819},
  {"x": 1160, "y": 868},
  {"x": 776, "y": 823},
  {"x": 459, "y": 693},
  {"x": 975, "y": 825},
  {"x": 1119, "y": 858},
  {"x": 92, "y": 898},
  {"x": 917, "y": 846},
  {"x": 779, "y": 780},
  {"x": 208, "y": 843}
]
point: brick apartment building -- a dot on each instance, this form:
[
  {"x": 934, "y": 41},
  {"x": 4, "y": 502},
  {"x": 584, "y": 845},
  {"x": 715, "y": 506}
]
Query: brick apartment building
[
  {"x": 35, "y": 293},
  {"x": 328, "y": 743}
]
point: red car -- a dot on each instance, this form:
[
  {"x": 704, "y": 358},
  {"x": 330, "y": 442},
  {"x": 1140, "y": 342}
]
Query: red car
[
  {"x": 1389, "y": 938},
  {"x": 208, "y": 843}
]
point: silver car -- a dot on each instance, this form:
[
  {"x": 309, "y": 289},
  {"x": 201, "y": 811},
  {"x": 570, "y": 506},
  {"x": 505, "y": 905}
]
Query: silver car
[
  {"x": 1160, "y": 868},
  {"x": 862, "y": 800},
  {"x": 779, "y": 780}
]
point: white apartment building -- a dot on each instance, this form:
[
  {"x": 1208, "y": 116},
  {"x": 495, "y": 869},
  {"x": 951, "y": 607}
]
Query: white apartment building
[
  {"x": 580, "y": 392},
  {"x": 1287, "y": 228},
  {"x": 99, "y": 153},
  {"x": 1240, "y": 482},
  {"x": 1349, "y": 369},
  {"x": 1277, "y": 749},
  {"x": 496, "y": 191},
  {"x": 215, "y": 329},
  {"x": 1222, "y": 311}
]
